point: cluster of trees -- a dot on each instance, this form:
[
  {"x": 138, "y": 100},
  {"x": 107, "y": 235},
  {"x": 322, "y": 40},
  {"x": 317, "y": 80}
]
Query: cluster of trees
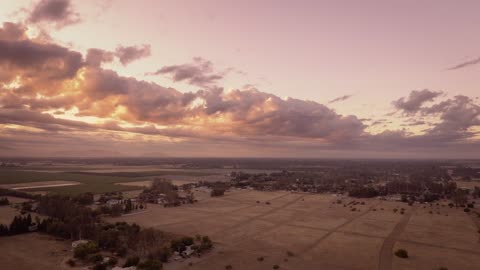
[
  {"x": 160, "y": 188},
  {"x": 124, "y": 207},
  {"x": 110, "y": 196},
  {"x": 363, "y": 192},
  {"x": 19, "y": 224},
  {"x": 70, "y": 218},
  {"x": 167, "y": 193},
  {"x": 4, "y": 201},
  {"x": 84, "y": 198}
]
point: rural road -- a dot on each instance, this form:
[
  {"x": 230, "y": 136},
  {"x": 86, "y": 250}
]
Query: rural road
[{"x": 386, "y": 252}]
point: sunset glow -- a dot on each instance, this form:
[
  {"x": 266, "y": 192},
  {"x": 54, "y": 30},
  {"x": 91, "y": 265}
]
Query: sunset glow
[{"x": 178, "y": 78}]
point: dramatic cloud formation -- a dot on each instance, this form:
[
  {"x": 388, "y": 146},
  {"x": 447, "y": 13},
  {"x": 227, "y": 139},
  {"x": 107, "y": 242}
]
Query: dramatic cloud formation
[
  {"x": 51, "y": 95},
  {"x": 415, "y": 100},
  {"x": 472, "y": 62},
  {"x": 128, "y": 54},
  {"x": 199, "y": 73},
  {"x": 57, "y": 12},
  {"x": 338, "y": 99}
]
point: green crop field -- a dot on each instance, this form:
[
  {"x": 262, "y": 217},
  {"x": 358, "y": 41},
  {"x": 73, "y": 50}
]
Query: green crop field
[{"x": 90, "y": 182}]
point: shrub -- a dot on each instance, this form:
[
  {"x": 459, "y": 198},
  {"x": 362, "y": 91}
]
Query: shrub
[
  {"x": 150, "y": 264},
  {"x": 187, "y": 241},
  {"x": 216, "y": 192},
  {"x": 100, "y": 266},
  {"x": 4, "y": 201},
  {"x": 228, "y": 267},
  {"x": 95, "y": 258},
  {"x": 83, "y": 250},
  {"x": 112, "y": 261},
  {"x": 290, "y": 254},
  {"x": 260, "y": 259},
  {"x": 71, "y": 262},
  {"x": 276, "y": 267},
  {"x": 132, "y": 261},
  {"x": 401, "y": 253},
  {"x": 466, "y": 210},
  {"x": 442, "y": 268},
  {"x": 122, "y": 251}
]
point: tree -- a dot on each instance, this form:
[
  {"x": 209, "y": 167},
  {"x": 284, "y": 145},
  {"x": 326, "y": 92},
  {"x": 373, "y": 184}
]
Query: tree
[
  {"x": 128, "y": 206},
  {"x": 4, "y": 201},
  {"x": 132, "y": 261},
  {"x": 401, "y": 253},
  {"x": 216, "y": 192},
  {"x": 460, "y": 197},
  {"x": 83, "y": 250}
]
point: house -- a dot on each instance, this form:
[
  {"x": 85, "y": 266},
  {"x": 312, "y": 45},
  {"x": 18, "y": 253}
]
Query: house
[
  {"x": 79, "y": 242},
  {"x": 113, "y": 202},
  {"x": 33, "y": 227}
]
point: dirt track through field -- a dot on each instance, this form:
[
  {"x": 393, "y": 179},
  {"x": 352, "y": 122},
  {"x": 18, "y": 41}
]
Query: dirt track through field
[
  {"x": 316, "y": 243},
  {"x": 386, "y": 252},
  {"x": 249, "y": 220}
]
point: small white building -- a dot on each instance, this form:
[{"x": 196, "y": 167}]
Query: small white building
[
  {"x": 79, "y": 242},
  {"x": 113, "y": 202}
]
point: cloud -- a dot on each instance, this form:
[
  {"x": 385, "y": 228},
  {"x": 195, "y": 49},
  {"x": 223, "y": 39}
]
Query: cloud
[
  {"x": 415, "y": 100},
  {"x": 95, "y": 57},
  {"x": 468, "y": 63},
  {"x": 52, "y": 96},
  {"x": 34, "y": 60},
  {"x": 57, "y": 12},
  {"x": 128, "y": 54},
  {"x": 457, "y": 116},
  {"x": 12, "y": 31},
  {"x": 199, "y": 73},
  {"x": 338, "y": 99}
]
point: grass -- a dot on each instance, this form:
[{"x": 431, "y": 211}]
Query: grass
[
  {"x": 146, "y": 173},
  {"x": 91, "y": 182}
]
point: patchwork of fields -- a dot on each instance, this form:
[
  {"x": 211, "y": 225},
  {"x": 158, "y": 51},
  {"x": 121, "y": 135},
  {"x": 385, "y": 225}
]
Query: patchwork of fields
[
  {"x": 79, "y": 179},
  {"x": 319, "y": 233}
]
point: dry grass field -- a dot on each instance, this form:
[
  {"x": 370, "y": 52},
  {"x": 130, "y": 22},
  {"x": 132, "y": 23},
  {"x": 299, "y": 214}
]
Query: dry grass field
[
  {"x": 33, "y": 251},
  {"x": 319, "y": 233}
]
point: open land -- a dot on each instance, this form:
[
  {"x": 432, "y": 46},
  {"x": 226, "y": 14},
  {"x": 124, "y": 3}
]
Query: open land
[
  {"x": 255, "y": 229},
  {"x": 319, "y": 232}
]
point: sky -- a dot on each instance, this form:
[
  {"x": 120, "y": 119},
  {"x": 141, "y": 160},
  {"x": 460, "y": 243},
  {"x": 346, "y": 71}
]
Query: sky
[{"x": 317, "y": 79}]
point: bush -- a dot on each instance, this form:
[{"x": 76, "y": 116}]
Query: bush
[
  {"x": 100, "y": 266},
  {"x": 401, "y": 253},
  {"x": 71, "y": 262},
  {"x": 260, "y": 259},
  {"x": 466, "y": 210},
  {"x": 150, "y": 264},
  {"x": 228, "y": 267},
  {"x": 112, "y": 261},
  {"x": 95, "y": 258},
  {"x": 187, "y": 241},
  {"x": 290, "y": 254},
  {"x": 122, "y": 251},
  {"x": 216, "y": 192},
  {"x": 4, "y": 201},
  {"x": 276, "y": 267},
  {"x": 132, "y": 261},
  {"x": 83, "y": 250}
]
